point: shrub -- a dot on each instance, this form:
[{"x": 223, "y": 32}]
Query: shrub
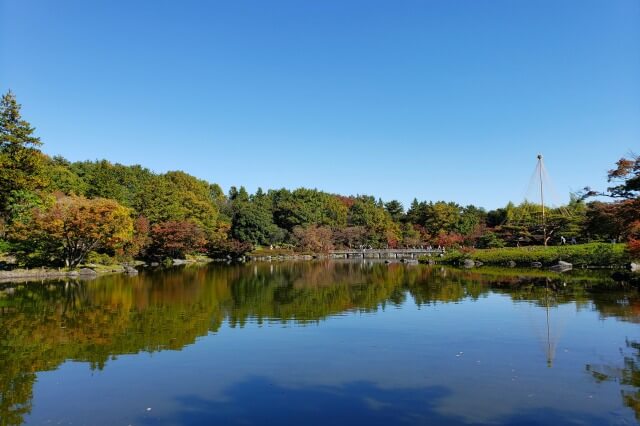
[
  {"x": 5, "y": 246},
  {"x": 233, "y": 248},
  {"x": 100, "y": 259},
  {"x": 490, "y": 240}
]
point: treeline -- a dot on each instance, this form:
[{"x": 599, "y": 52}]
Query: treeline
[{"x": 56, "y": 212}]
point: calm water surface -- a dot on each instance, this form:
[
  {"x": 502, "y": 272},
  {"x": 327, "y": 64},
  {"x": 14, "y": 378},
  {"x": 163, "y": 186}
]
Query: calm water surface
[{"x": 321, "y": 343}]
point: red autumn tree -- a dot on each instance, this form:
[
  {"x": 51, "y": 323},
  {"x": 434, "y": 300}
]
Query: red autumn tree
[
  {"x": 351, "y": 236},
  {"x": 141, "y": 239},
  {"x": 317, "y": 239},
  {"x": 450, "y": 239},
  {"x": 633, "y": 243},
  {"x": 626, "y": 179},
  {"x": 176, "y": 239}
]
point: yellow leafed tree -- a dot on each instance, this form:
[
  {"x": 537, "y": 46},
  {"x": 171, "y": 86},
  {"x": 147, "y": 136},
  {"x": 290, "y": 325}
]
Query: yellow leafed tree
[{"x": 73, "y": 226}]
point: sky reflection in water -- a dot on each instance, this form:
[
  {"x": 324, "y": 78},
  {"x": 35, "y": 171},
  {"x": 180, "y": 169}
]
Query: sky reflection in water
[{"x": 321, "y": 343}]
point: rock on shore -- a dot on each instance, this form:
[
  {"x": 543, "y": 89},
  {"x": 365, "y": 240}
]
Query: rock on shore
[{"x": 562, "y": 266}]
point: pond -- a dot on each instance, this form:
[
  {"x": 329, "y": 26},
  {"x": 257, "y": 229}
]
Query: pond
[{"x": 318, "y": 343}]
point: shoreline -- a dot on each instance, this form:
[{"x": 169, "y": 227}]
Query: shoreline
[
  {"x": 89, "y": 272},
  {"x": 47, "y": 274}
]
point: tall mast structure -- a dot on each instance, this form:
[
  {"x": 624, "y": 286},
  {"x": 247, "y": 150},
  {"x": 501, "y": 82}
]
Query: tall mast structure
[{"x": 544, "y": 217}]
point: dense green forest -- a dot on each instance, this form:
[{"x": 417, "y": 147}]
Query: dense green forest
[{"x": 54, "y": 212}]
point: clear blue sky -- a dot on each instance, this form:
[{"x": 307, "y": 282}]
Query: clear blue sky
[{"x": 433, "y": 99}]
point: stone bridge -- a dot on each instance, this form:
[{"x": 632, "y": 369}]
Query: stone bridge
[{"x": 384, "y": 253}]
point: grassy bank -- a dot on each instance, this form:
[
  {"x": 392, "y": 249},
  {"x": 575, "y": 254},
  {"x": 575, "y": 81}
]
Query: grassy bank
[{"x": 592, "y": 254}]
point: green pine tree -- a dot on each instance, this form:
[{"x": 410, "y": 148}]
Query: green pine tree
[{"x": 21, "y": 162}]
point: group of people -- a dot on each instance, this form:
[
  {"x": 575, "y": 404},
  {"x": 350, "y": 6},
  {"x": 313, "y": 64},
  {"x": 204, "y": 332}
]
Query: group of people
[{"x": 563, "y": 240}]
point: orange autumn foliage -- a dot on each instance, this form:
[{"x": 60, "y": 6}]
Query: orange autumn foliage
[{"x": 74, "y": 226}]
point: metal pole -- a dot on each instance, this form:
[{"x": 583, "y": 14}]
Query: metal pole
[{"x": 544, "y": 219}]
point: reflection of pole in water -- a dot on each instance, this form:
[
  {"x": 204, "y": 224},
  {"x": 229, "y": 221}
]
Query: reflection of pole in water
[
  {"x": 549, "y": 352},
  {"x": 546, "y": 337},
  {"x": 551, "y": 343}
]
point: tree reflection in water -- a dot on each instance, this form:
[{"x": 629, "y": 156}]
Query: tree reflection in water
[
  {"x": 44, "y": 324},
  {"x": 627, "y": 374}
]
